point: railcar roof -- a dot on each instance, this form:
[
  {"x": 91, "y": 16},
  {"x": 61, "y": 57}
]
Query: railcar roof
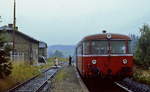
[{"x": 104, "y": 36}]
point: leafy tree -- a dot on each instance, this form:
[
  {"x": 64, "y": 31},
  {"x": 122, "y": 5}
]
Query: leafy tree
[
  {"x": 58, "y": 53},
  {"x": 5, "y": 65},
  {"x": 142, "y": 55}
]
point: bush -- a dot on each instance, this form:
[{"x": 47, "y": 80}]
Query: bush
[
  {"x": 142, "y": 75},
  {"x": 5, "y": 65}
]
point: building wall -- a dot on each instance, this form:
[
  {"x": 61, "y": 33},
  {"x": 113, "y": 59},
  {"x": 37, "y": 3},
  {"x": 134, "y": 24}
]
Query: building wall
[
  {"x": 43, "y": 49},
  {"x": 24, "y": 46}
]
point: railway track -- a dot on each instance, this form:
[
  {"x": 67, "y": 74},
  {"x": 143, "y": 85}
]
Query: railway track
[
  {"x": 39, "y": 83},
  {"x": 106, "y": 85},
  {"x": 99, "y": 85},
  {"x": 129, "y": 85},
  {"x": 123, "y": 87}
]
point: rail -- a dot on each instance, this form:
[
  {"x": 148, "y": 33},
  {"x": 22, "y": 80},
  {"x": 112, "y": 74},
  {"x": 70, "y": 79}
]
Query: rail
[
  {"x": 121, "y": 86},
  {"x": 37, "y": 83}
]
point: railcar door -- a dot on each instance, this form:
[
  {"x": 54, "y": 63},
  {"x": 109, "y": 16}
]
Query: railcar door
[
  {"x": 86, "y": 56},
  {"x": 79, "y": 58}
]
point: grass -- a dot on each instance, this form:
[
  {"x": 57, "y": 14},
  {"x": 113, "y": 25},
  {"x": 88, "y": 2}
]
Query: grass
[
  {"x": 61, "y": 75},
  {"x": 59, "y": 59},
  {"x": 45, "y": 66},
  {"x": 142, "y": 75},
  {"x": 21, "y": 71}
]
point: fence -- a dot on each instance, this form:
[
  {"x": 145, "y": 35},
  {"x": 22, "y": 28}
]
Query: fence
[{"x": 17, "y": 56}]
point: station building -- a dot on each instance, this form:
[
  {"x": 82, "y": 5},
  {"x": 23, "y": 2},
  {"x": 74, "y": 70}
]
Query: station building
[{"x": 26, "y": 48}]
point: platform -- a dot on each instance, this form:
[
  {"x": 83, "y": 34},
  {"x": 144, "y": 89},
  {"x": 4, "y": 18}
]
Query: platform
[{"x": 68, "y": 80}]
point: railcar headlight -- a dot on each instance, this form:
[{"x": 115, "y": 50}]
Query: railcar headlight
[
  {"x": 124, "y": 61},
  {"x": 108, "y": 36},
  {"x": 93, "y": 61}
]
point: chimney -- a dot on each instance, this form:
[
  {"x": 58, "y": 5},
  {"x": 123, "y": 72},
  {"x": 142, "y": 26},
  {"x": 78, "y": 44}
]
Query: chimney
[{"x": 104, "y": 31}]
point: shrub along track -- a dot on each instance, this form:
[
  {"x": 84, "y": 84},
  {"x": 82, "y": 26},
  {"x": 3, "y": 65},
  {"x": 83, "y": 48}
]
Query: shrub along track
[{"x": 37, "y": 83}]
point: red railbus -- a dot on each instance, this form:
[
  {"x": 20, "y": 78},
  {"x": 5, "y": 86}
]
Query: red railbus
[{"x": 104, "y": 55}]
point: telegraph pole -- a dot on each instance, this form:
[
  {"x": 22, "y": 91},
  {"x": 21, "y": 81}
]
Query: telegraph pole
[
  {"x": 14, "y": 28},
  {"x": 0, "y": 19}
]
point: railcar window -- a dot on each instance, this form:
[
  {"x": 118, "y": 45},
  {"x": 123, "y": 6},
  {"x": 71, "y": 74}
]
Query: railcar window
[
  {"x": 99, "y": 47},
  {"x": 86, "y": 48},
  {"x": 118, "y": 47}
]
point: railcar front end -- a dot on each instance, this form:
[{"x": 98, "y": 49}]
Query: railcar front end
[{"x": 104, "y": 57}]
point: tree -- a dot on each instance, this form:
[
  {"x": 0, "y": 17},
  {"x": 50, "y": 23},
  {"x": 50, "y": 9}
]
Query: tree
[
  {"x": 58, "y": 53},
  {"x": 134, "y": 42},
  {"x": 5, "y": 65},
  {"x": 142, "y": 55}
]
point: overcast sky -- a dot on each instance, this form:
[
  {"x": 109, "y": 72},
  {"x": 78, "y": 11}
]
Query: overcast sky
[{"x": 68, "y": 21}]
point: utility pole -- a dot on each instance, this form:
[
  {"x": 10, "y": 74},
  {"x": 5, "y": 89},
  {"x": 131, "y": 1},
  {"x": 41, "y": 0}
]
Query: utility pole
[
  {"x": 0, "y": 18},
  {"x": 14, "y": 28}
]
